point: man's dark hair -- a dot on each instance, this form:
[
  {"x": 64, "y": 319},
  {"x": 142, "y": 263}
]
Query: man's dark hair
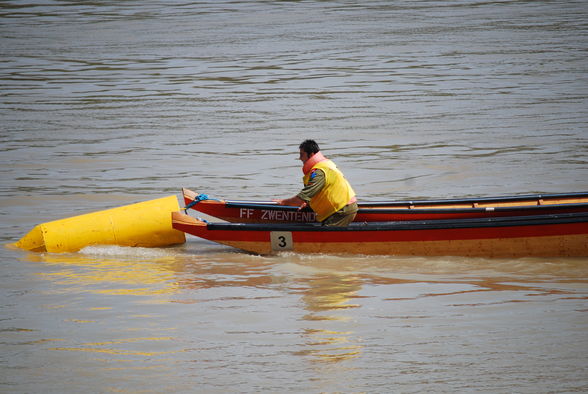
[{"x": 310, "y": 147}]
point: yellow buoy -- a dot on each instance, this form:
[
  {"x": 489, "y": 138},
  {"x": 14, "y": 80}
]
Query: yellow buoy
[{"x": 146, "y": 224}]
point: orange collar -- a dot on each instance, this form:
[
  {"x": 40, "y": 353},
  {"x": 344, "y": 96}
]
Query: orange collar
[{"x": 316, "y": 158}]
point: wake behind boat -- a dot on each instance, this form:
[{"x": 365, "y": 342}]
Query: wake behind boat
[
  {"x": 380, "y": 211},
  {"x": 553, "y": 235}
]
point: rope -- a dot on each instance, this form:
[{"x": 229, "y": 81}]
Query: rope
[{"x": 197, "y": 199}]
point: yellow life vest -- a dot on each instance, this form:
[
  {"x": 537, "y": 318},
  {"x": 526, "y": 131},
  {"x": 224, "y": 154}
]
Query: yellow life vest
[{"x": 336, "y": 193}]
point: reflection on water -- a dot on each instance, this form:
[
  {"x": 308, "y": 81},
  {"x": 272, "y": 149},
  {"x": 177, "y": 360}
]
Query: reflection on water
[
  {"x": 204, "y": 309},
  {"x": 325, "y": 298},
  {"x": 110, "y": 270},
  {"x": 111, "y": 347},
  {"x": 330, "y": 293}
]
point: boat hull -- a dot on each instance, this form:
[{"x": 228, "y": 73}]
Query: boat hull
[
  {"x": 266, "y": 212},
  {"x": 543, "y": 235}
]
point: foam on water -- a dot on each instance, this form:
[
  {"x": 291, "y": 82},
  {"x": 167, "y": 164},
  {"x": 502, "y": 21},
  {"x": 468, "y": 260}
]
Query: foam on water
[{"x": 128, "y": 252}]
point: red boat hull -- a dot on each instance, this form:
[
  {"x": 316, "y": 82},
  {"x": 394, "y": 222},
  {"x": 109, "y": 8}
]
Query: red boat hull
[
  {"x": 266, "y": 212},
  {"x": 544, "y": 235}
]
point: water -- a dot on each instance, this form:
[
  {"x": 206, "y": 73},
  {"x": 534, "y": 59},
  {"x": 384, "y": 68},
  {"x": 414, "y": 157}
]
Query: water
[{"x": 109, "y": 103}]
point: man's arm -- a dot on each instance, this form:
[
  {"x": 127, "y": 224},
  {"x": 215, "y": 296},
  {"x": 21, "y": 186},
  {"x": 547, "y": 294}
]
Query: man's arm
[
  {"x": 315, "y": 184},
  {"x": 292, "y": 201}
]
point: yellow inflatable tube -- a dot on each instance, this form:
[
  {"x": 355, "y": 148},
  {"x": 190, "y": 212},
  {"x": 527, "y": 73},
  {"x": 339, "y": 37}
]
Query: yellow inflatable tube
[{"x": 146, "y": 224}]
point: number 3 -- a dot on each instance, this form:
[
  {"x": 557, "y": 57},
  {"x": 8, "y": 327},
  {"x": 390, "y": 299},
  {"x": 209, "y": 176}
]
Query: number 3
[{"x": 281, "y": 240}]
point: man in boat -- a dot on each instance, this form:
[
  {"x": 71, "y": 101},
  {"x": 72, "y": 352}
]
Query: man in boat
[{"x": 325, "y": 188}]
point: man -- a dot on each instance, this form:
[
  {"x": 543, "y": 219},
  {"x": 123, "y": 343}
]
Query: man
[{"x": 325, "y": 188}]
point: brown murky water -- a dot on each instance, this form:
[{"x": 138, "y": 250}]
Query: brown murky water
[{"x": 109, "y": 103}]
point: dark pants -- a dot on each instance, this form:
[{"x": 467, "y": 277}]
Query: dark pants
[{"x": 342, "y": 217}]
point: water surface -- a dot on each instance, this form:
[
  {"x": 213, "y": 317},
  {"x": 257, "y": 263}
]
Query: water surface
[{"x": 109, "y": 103}]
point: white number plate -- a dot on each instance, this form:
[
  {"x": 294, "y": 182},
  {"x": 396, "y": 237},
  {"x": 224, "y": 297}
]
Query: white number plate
[{"x": 281, "y": 240}]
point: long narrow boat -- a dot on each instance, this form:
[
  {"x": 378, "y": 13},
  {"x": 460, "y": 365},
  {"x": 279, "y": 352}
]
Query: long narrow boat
[
  {"x": 564, "y": 234},
  {"x": 269, "y": 212}
]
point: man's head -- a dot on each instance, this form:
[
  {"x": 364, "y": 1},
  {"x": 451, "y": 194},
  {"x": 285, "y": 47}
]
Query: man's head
[{"x": 307, "y": 149}]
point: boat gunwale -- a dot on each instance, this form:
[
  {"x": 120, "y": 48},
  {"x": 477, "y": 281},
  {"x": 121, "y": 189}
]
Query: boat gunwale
[
  {"x": 417, "y": 211},
  {"x": 468, "y": 200},
  {"x": 472, "y": 200},
  {"x": 481, "y": 200},
  {"x": 510, "y": 221}
]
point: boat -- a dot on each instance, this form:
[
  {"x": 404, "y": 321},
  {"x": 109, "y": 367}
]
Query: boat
[
  {"x": 269, "y": 212},
  {"x": 551, "y": 235}
]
